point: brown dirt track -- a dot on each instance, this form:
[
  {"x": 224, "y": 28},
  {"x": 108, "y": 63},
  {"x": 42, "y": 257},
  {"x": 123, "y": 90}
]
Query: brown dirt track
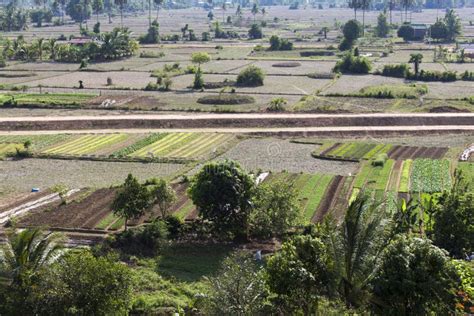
[
  {"x": 233, "y": 121},
  {"x": 84, "y": 213},
  {"x": 332, "y": 190}
]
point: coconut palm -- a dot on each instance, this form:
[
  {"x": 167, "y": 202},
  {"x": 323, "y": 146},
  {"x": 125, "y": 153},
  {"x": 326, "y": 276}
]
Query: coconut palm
[
  {"x": 364, "y": 4},
  {"x": 158, "y": 4},
  {"x": 27, "y": 252},
  {"x": 356, "y": 246},
  {"x": 254, "y": 11},
  {"x": 224, "y": 8}
]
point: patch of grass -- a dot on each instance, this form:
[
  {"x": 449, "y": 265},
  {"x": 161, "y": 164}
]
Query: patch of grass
[
  {"x": 190, "y": 262},
  {"x": 48, "y": 98},
  {"x": 226, "y": 99},
  {"x": 405, "y": 176},
  {"x": 410, "y": 91}
]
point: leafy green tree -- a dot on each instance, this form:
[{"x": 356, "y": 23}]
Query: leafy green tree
[
  {"x": 121, "y": 4},
  {"x": 453, "y": 219},
  {"x": 251, "y": 76},
  {"x": 255, "y": 31},
  {"x": 77, "y": 11},
  {"x": 325, "y": 31},
  {"x": 406, "y": 31},
  {"x": 239, "y": 288},
  {"x": 199, "y": 58},
  {"x": 352, "y": 30},
  {"x": 439, "y": 31},
  {"x": 85, "y": 285},
  {"x": 222, "y": 193},
  {"x": 416, "y": 60},
  {"x": 164, "y": 196},
  {"x": 299, "y": 274},
  {"x": 453, "y": 25},
  {"x": 356, "y": 245},
  {"x": 382, "y": 28},
  {"x": 415, "y": 278},
  {"x": 132, "y": 200},
  {"x": 254, "y": 11},
  {"x": 275, "y": 42},
  {"x": 276, "y": 209}
]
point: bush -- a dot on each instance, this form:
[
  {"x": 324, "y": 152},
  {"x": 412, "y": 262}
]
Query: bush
[
  {"x": 353, "y": 64},
  {"x": 277, "y": 105},
  {"x": 317, "y": 53},
  {"x": 290, "y": 64},
  {"x": 352, "y": 30},
  {"x": 380, "y": 160},
  {"x": 398, "y": 71},
  {"x": 255, "y": 31},
  {"x": 152, "y": 36},
  {"x": 251, "y": 77},
  {"x": 146, "y": 240},
  {"x": 439, "y": 30},
  {"x": 279, "y": 44},
  {"x": 226, "y": 99},
  {"x": 406, "y": 32},
  {"x": 198, "y": 80},
  {"x": 467, "y": 76},
  {"x": 2, "y": 62}
]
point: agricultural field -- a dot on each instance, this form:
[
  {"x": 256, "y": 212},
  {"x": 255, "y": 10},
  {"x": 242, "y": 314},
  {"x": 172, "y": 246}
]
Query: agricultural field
[
  {"x": 430, "y": 175},
  {"x": 85, "y": 145},
  {"x": 9, "y": 148}
]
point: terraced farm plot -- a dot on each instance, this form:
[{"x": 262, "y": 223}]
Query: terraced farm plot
[
  {"x": 374, "y": 178},
  {"x": 86, "y": 144},
  {"x": 430, "y": 176},
  {"x": 38, "y": 142},
  {"x": 404, "y": 185},
  {"x": 184, "y": 145},
  {"x": 413, "y": 152},
  {"x": 354, "y": 151},
  {"x": 7, "y": 148},
  {"x": 311, "y": 189},
  {"x": 467, "y": 169}
]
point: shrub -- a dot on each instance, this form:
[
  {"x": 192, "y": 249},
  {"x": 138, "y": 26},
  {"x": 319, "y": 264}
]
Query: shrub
[
  {"x": 379, "y": 160},
  {"x": 145, "y": 240},
  {"x": 255, "y": 31},
  {"x": 279, "y": 44},
  {"x": 205, "y": 36},
  {"x": 352, "y": 30},
  {"x": 277, "y": 105},
  {"x": 406, "y": 32},
  {"x": 2, "y": 62},
  {"x": 289, "y": 64},
  {"x": 426, "y": 75},
  {"x": 398, "y": 71},
  {"x": 383, "y": 28},
  {"x": 353, "y": 64},
  {"x": 317, "y": 53},
  {"x": 198, "y": 82},
  {"x": 439, "y": 30},
  {"x": 251, "y": 77},
  {"x": 226, "y": 99},
  {"x": 467, "y": 76},
  {"x": 152, "y": 36}
]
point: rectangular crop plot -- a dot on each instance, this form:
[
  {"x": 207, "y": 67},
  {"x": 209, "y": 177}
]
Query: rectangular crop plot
[
  {"x": 184, "y": 145},
  {"x": 430, "y": 176},
  {"x": 311, "y": 189},
  {"x": 375, "y": 178},
  {"x": 467, "y": 169},
  {"x": 86, "y": 144},
  {"x": 38, "y": 142}
]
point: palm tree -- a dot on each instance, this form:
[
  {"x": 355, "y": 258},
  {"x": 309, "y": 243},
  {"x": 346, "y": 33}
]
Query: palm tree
[
  {"x": 121, "y": 3},
  {"x": 158, "y": 4},
  {"x": 97, "y": 5},
  {"x": 355, "y": 5},
  {"x": 365, "y": 4},
  {"x": 356, "y": 246},
  {"x": 63, "y": 9},
  {"x": 325, "y": 31},
  {"x": 52, "y": 48},
  {"x": 416, "y": 60},
  {"x": 27, "y": 252},
  {"x": 406, "y": 4},
  {"x": 40, "y": 48},
  {"x": 391, "y": 4}
]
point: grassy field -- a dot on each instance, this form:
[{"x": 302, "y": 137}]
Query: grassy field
[
  {"x": 87, "y": 144},
  {"x": 9, "y": 148}
]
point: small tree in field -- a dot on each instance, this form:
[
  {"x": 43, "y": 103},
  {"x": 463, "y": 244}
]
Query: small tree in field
[
  {"x": 199, "y": 58},
  {"x": 251, "y": 77},
  {"x": 382, "y": 28},
  {"x": 164, "y": 196},
  {"x": 132, "y": 200},
  {"x": 222, "y": 193}
]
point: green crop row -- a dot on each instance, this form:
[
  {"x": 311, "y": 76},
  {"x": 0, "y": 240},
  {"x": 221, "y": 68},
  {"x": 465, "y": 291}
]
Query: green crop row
[
  {"x": 378, "y": 149},
  {"x": 467, "y": 169},
  {"x": 430, "y": 175},
  {"x": 374, "y": 177},
  {"x": 405, "y": 176},
  {"x": 311, "y": 191},
  {"x": 38, "y": 142},
  {"x": 139, "y": 145},
  {"x": 86, "y": 144},
  {"x": 7, "y": 148},
  {"x": 106, "y": 221}
]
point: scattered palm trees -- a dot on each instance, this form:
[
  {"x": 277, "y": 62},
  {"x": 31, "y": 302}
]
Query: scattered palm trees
[
  {"x": 121, "y": 4},
  {"x": 416, "y": 60}
]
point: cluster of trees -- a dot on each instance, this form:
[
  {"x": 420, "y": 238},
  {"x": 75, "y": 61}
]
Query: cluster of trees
[
  {"x": 40, "y": 277},
  {"x": 351, "y": 31},
  {"x": 13, "y": 18},
  {"x": 352, "y": 62},
  {"x": 374, "y": 262},
  {"x": 277, "y": 43}
]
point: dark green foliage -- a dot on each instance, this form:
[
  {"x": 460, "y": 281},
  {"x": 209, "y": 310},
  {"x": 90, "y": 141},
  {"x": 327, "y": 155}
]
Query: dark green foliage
[
  {"x": 299, "y": 274},
  {"x": 439, "y": 30},
  {"x": 39, "y": 16},
  {"x": 383, "y": 28},
  {"x": 153, "y": 34},
  {"x": 426, "y": 75},
  {"x": 406, "y": 32},
  {"x": 352, "y": 30},
  {"x": 467, "y": 76},
  {"x": 398, "y": 71},
  {"x": 222, "y": 193},
  {"x": 132, "y": 200},
  {"x": 226, "y": 99},
  {"x": 13, "y": 18},
  {"x": 353, "y": 64},
  {"x": 96, "y": 28},
  {"x": 275, "y": 209},
  {"x": 255, "y": 31},
  {"x": 198, "y": 82},
  {"x": 453, "y": 25},
  {"x": 75, "y": 9},
  {"x": 280, "y": 44},
  {"x": 379, "y": 160},
  {"x": 251, "y": 76},
  {"x": 415, "y": 278},
  {"x": 453, "y": 219}
]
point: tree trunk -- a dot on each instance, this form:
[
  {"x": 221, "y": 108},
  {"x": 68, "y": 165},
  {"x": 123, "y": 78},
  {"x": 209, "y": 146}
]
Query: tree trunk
[
  {"x": 390, "y": 9},
  {"x": 363, "y": 21},
  {"x": 121, "y": 16},
  {"x": 149, "y": 13},
  {"x": 126, "y": 220}
]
